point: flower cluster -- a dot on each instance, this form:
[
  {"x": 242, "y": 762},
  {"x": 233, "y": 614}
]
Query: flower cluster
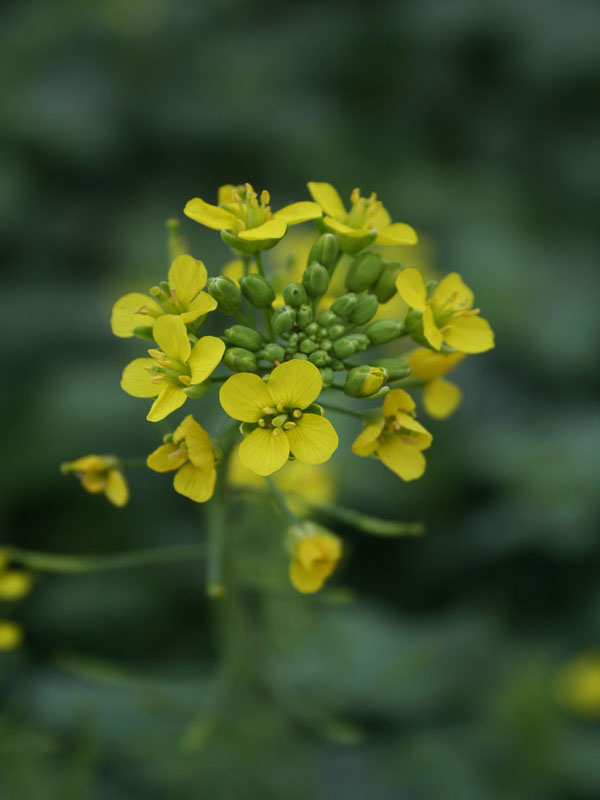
[{"x": 294, "y": 339}]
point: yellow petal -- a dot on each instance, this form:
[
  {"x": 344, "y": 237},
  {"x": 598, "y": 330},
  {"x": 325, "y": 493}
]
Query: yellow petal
[
  {"x": 319, "y": 552},
  {"x": 380, "y": 220},
  {"x": 411, "y": 288},
  {"x": 397, "y": 400},
  {"x": 423, "y": 440},
  {"x": 366, "y": 442},
  {"x": 346, "y": 230},
  {"x": 187, "y": 277},
  {"x": 264, "y": 453},
  {"x": 163, "y": 460},
  {"x": 427, "y": 365},
  {"x": 128, "y": 313},
  {"x": 11, "y": 635},
  {"x": 170, "y": 334},
  {"x": 398, "y": 233},
  {"x": 295, "y": 384},
  {"x": 430, "y": 330},
  {"x": 200, "y": 449},
  {"x": 271, "y": 229},
  {"x": 212, "y": 216},
  {"x": 452, "y": 291},
  {"x": 469, "y": 334},
  {"x": 136, "y": 378},
  {"x": 313, "y": 440},
  {"x": 244, "y": 396},
  {"x": 239, "y": 475},
  {"x": 441, "y": 398},
  {"x": 171, "y": 398},
  {"x": 225, "y": 193},
  {"x": 299, "y": 212},
  {"x": 327, "y": 197},
  {"x": 406, "y": 461},
  {"x": 205, "y": 356},
  {"x": 87, "y": 464},
  {"x": 197, "y": 483},
  {"x": 304, "y": 580},
  {"x": 116, "y": 488},
  {"x": 15, "y": 584},
  {"x": 201, "y": 305}
]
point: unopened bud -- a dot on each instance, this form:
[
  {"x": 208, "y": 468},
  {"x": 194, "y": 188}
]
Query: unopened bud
[
  {"x": 258, "y": 290},
  {"x": 308, "y": 346},
  {"x": 344, "y": 304},
  {"x": 239, "y": 359},
  {"x": 300, "y": 356},
  {"x": 385, "y": 288},
  {"x": 304, "y": 315},
  {"x": 361, "y": 340},
  {"x": 344, "y": 347},
  {"x": 226, "y": 293},
  {"x": 327, "y": 318},
  {"x": 364, "y": 272},
  {"x": 273, "y": 352},
  {"x": 335, "y": 331},
  {"x": 243, "y": 336},
  {"x": 396, "y": 367},
  {"x": 325, "y": 251},
  {"x": 364, "y": 381},
  {"x": 320, "y": 358},
  {"x": 315, "y": 280},
  {"x": 365, "y": 309},
  {"x": 327, "y": 374},
  {"x": 295, "y": 295},
  {"x": 283, "y": 320},
  {"x": 384, "y": 330}
]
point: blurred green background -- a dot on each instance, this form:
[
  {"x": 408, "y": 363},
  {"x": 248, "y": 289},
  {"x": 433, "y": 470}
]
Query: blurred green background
[{"x": 475, "y": 122}]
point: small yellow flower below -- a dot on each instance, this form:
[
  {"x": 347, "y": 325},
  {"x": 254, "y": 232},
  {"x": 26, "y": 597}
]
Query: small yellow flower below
[
  {"x": 11, "y": 635},
  {"x": 440, "y": 397},
  {"x": 191, "y": 454},
  {"x": 578, "y": 685},
  {"x": 15, "y": 584},
  {"x": 316, "y": 554},
  {"x": 100, "y": 474}
]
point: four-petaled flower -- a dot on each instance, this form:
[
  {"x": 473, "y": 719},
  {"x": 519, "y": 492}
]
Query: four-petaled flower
[
  {"x": 396, "y": 437},
  {"x": 278, "y": 407},
  {"x": 247, "y": 220},
  {"x": 440, "y": 397},
  {"x": 185, "y": 298},
  {"x": 448, "y": 315},
  {"x": 191, "y": 453},
  {"x": 367, "y": 220},
  {"x": 100, "y": 474},
  {"x": 316, "y": 553},
  {"x": 175, "y": 372}
]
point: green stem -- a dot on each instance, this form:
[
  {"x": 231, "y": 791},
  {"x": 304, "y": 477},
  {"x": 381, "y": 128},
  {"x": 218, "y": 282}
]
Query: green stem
[
  {"x": 241, "y": 318},
  {"x": 279, "y": 499},
  {"x": 246, "y": 262},
  {"x": 51, "y": 562},
  {"x": 340, "y": 410},
  {"x": 271, "y": 332},
  {"x": 259, "y": 263}
]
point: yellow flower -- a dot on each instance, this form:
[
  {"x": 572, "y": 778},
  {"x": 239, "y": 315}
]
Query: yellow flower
[
  {"x": 278, "y": 407},
  {"x": 578, "y": 684},
  {"x": 100, "y": 474},
  {"x": 191, "y": 454},
  {"x": 440, "y": 397},
  {"x": 303, "y": 481},
  {"x": 316, "y": 554},
  {"x": 11, "y": 635},
  {"x": 15, "y": 584},
  {"x": 247, "y": 219},
  {"x": 185, "y": 298},
  {"x": 396, "y": 438},
  {"x": 175, "y": 372},
  {"x": 448, "y": 315},
  {"x": 367, "y": 220}
]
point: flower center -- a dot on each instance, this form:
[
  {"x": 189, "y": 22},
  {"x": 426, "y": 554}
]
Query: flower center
[
  {"x": 249, "y": 209},
  {"x": 168, "y": 370},
  {"x": 363, "y": 209},
  {"x": 279, "y": 418}
]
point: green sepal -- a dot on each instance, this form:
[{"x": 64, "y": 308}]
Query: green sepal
[
  {"x": 344, "y": 304},
  {"x": 396, "y": 367},
  {"x": 384, "y": 330},
  {"x": 238, "y": 359},
  {"x": 143, "y": 332},
  {"x": 315, "y": 280},
  {"x": 258, "y": 290},
  {"x": 247, "y": 427},
  {"x": 325, "y": 251},
  {"x": 226, "y": 293},
  {"x": 295, "y": 295},
  {"x": 365, "y": 309},
  {"x": 385, "y": 288},
  {"x": 246, "y": 247},
  {"x": 243, "y": 336},
  {"x": 315, "y": 408},
  {"x": 364, "y": 272},
  {"x": 283, "y": 320},
  {"x": 198, "y": 389}
]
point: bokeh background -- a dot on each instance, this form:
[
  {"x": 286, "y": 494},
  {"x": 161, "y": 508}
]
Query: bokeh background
[{"x": 437, "y": 671}]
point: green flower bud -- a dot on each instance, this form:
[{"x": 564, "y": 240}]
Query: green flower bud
[
  {"x": 273, "y": 352},
  {"x": 308, "y": 346},
  {"x": 311, "y": 329},
  {"x": 301, "y": 336},
  {"x": 242, "y": 336},
  {"x": 364, "y": 310},
  {"x": 327, "y": 374},
  {"x": 315, "y": 280},
  {"x": 226, "y": 293},
  {"x": 240, "y": 360},
  {"x": 335, "y": 331},
  {"x": 384, "y": 330},
  {"x": 364, "y": 272},
  {"x": 326, "y": 344},
  {"x": 344, "y": 304},
  {"x": 327, "y": 318},
  {"x": 361, "y": 340},
  {"x": 198, "y": 389},
  {"x": 344, "y": 348},
  {"x": 258, "y": 290},
  {"x": 283, "y": 320},
  {"x": 293, "y": 339},
  {"x": 295, "y": 295},
  {"x": 325, "y": 251},
  {"x": 364, "y": 381},
  {"x": 396, "y": 367},
  {"x": 305, "y": 316},
  {"x": 336, "y": 364},
  {"x": 300, "y": 356},
  {"x": 320, "y": 358},
  {"x": 143, "y": 332},
  {"x": 385, "y": 288},
  {"x": 413, "y": 320}
]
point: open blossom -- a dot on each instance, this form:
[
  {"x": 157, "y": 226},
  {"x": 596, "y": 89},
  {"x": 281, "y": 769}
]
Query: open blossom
[
  {"x": 396, "y": 437},
  {"x": 183, "y": 297},
  {"x": 448, "y": 315},
  {"x": 248, "y": 218},
  {"x": 440, "y": 397},
  {"x": 279, "y": 409},
  {"x": 11, "y": 635},
  {"x": 191, "y": 453},
  {"x": 316, "y": 553},
  {"x": 175, "y": 371},
  {"x": 100, "y": 474},
  {"x": 366, "y": 221}
]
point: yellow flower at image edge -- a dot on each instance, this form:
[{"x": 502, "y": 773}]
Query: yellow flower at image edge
[
  {"x": 100, "y": 474},
  {"x": 15, "y": 584},
  {"x": 174, "y": 372},
  {"x": 278, "y": 409},
  {"x": 396, "y": 438},
  {"x": 578, "y": 684},
  {"x": 316, "y": 554},
  {"x": 448, "y": 315},
  {"x": 11, "y": 635},
  {"x": 187, "y": 277},
  {"x": 440, "y": 397},
  {"x": 191, "y": 454}
]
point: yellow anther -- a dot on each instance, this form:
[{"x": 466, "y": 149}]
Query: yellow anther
[
  {"x": 269, "y": 410},
  {"x": 276, "y": 431},
  {"x": 262, "y": 423},
  {"x": 185, "y": 379},
  {"x": 289, "y": 425},
  {"x": 280, "y": 405},
  {"x": 156, "y": 379},
  {"x": 355, "y": 196},
  {"x": 181, "y": 453},
  {"x": 296, "y": 413},
  {"x": 265, "y": 197}
]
